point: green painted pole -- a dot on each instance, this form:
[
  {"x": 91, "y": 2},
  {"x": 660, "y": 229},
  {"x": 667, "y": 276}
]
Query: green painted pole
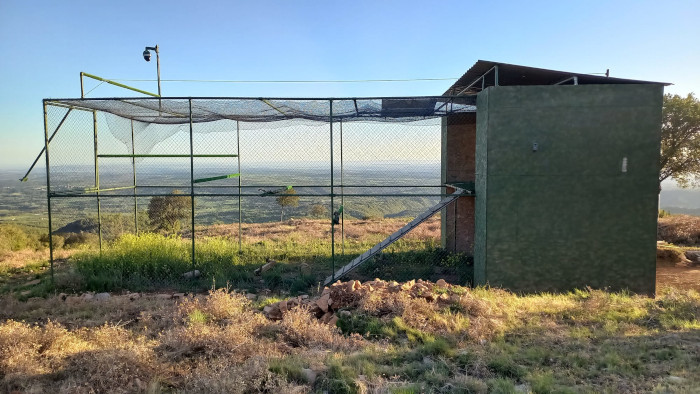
[
  {"x": 110, "y": 189},
  {"x": 133, "y": 168},
  {"x": 317, "y": 195},
  {"x": 342, "y": 192},
  {"x": 192, "y": 184},
  {"x": 240, "y": 216},
  {"x": 48, "y": 193},
  {"x": 121, "y": 85},
  {"x": 24, "y": 178},
  {"x": 118, "y": 155},
  {"x": 216, "y": 178},
  {"x": 97, "y": 180},
  {"x": 332, "y": 192}
]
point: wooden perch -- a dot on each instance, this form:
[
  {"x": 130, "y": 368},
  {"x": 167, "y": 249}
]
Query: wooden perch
[{"x": 270, "y": 263}]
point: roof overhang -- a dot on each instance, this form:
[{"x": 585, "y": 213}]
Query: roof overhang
[{"x": 486, "y": 73}]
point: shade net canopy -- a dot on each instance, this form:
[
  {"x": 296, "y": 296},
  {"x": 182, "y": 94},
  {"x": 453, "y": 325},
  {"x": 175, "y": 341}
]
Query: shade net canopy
[{"x": 177, "y": 110}]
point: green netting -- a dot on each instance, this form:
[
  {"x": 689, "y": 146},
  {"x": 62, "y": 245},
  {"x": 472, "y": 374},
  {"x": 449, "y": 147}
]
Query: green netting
[{"x": 177, "y": 110}]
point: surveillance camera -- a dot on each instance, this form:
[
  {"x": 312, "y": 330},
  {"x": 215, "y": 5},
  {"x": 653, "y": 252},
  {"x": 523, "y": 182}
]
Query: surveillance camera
[{"x": 147, "y": 55}]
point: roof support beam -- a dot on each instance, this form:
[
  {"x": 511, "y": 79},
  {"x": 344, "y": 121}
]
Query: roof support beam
[
  {"x": 273, "y": 107},
  {"x": 574, "y": 79},
  {"x": 482, "y": 79}
]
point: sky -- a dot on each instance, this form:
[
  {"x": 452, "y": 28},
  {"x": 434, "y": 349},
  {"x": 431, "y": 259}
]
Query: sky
[{"x": 44, "y": 45}]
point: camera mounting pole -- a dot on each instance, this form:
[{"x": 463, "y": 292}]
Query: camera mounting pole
[{"x": 147, "y": 57}]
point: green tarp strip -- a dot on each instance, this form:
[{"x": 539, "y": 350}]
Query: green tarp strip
[{"x": 216, "y": 178}]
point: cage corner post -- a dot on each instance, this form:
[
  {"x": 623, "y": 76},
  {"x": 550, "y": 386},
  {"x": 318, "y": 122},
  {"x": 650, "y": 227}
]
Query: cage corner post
[
  {"x": 332, "y": 193},
  {"x": 342, "y": 192},
  {"x": 240, "y": 216},
  {"x": 192, "y": 186},
  {"x": 97, "y": 180},
  {"x": 48, "y": 193},
  {"x": 133, "y": 169}
]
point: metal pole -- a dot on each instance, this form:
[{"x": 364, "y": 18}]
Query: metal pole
[
  {"x": 159, "y": 95},
  {"x": 133, "y": 167},
  {"x": 97, "y": 180},
  {"x": 192, "y": 183},
  {"x": 238, "y": 153},
  {"x": 158, "y": 66},
  {"x": 48, "y": 191},
  {"x": 109, "y": 81},
  {"x": 24, "y": 178},
  {"x": 342, "y": 191},
  {"x": 332, "y": 192},
  {"x": 82, "y": 90}
]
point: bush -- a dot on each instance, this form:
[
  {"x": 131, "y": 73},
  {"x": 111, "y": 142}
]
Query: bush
[
  {"x": 74, "y": 240},
  {"x": 57, "y": 240},
  {"x": 680, "y": 229},
  {"x": 13, "y": 238},
  {"x": 165, "y": 212}
]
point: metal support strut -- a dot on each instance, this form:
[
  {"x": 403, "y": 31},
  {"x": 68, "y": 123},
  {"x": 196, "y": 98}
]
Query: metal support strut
[{"x": 395, "y": 236}]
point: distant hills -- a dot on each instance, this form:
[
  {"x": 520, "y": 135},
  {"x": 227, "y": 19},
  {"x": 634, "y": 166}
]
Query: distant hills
[{"x": 676, "y": 200}]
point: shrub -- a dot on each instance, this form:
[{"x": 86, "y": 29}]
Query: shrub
[
  {"x": 75, "y": 240},
  {"x": 300, "y": 328},
  {"x": 13, "y": 238},
  {"x": 57, "y": 240},
  {"x": 680, "y": 229},
  {"x": 318, "y": 211},
  {"x": 165, "y": 212}
]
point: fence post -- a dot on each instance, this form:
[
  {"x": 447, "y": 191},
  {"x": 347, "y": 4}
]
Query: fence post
[
  {"x": 238, "y": 152},
  {"x": 48, "y": 192},
  {"x": 192, "y": 184},
  {"x": 332, "y": 195},
  {"x": 342, "y": 192},
  {"x": 133, "y": 168},
  {"x": 97, "y": 180}
]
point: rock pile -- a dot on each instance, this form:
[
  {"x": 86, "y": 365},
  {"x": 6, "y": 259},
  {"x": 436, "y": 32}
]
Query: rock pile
[{"x": 347, "y": 295}]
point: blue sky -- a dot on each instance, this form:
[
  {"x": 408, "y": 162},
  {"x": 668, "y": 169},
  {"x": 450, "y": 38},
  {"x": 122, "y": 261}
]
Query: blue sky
[{"x": 45, "y": 44}]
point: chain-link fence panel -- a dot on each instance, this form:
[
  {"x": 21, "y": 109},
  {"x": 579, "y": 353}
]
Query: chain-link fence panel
[{"x": 259, "y": 194}]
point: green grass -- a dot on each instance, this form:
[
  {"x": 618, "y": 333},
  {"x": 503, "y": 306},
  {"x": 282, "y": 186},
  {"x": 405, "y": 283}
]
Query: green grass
[{"x": 151, "y": 261}]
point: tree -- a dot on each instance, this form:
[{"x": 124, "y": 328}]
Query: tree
[
  {"x": 288, "y": 198},
  {"x": 319, "y": 211},
  {"x": 165, "y": 212},
  {"x": 680, "y": 140}
]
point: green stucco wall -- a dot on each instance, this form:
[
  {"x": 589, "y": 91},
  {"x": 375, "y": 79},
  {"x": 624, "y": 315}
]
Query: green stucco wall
[{"x": 567, "y": 216}]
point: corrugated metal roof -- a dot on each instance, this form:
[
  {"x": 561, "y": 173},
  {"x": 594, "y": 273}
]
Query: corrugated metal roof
[{"x": 514, "y": 75}]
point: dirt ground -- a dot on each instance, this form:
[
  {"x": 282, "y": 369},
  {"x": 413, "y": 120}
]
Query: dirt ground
[{"x": 678, "y": 276}]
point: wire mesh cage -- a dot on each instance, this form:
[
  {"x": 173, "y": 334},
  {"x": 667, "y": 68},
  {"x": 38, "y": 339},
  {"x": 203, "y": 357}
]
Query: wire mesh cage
[{"x": 221, "y": 186}]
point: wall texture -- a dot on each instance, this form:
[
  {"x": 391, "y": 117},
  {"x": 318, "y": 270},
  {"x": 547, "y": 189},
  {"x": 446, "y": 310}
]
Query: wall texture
[
  {"x": 458, "y": 166},
  {"x": 579, "y": 211}
]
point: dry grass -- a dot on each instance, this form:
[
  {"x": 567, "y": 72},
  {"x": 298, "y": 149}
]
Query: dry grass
[
  {"x": 466, "y": 340},
  {"x": 680, "y": 229},
  {"x": 315, "y": 228},
  {"x": 107, "y": 358},
  {"x": 300, "y": 329},
  {"x": 24, "y": 257}
]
